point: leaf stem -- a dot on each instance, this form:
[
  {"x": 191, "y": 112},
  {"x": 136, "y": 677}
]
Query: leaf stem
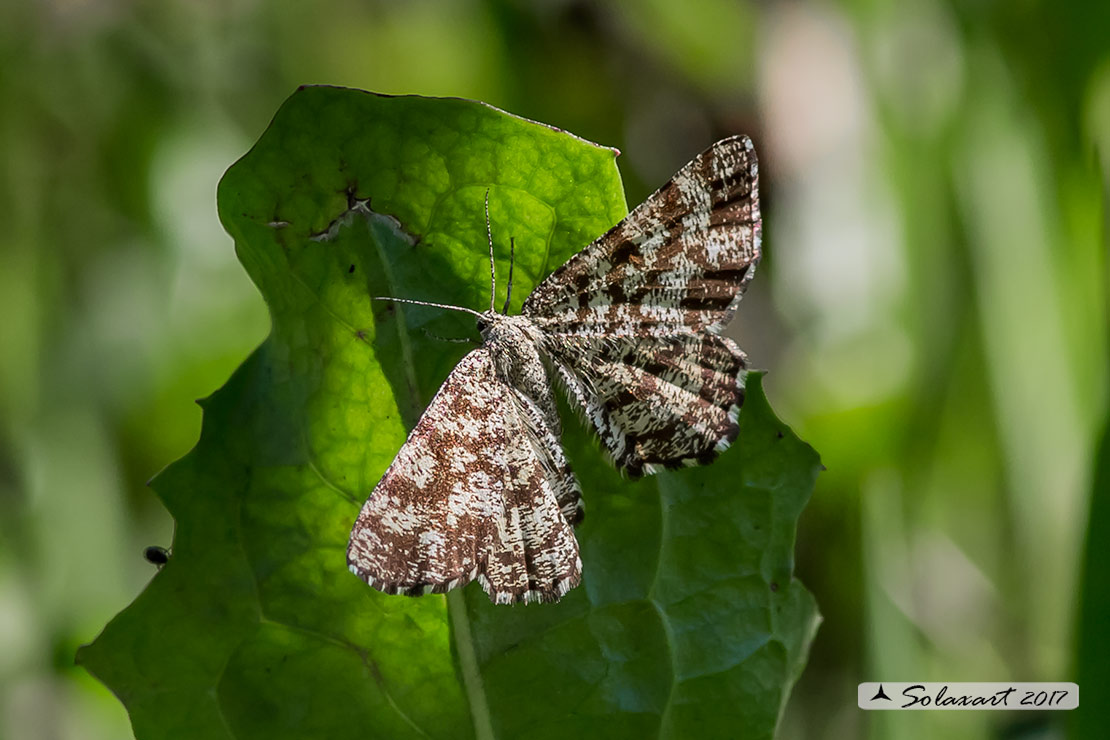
[
  {"x": 468, "y": 664},
  {"x": 456, "y": 605}
]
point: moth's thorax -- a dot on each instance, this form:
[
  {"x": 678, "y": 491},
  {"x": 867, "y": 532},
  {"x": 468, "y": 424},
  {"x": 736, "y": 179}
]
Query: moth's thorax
[{"x": 515, "y": 344}]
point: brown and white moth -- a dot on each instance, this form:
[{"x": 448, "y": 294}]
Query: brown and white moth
[{"x": 630, "y": 325}]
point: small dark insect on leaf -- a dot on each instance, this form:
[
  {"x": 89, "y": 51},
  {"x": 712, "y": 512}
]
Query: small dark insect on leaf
[
  {"x": 157, "y": 555},
  {"x": 350, "y": 269}
]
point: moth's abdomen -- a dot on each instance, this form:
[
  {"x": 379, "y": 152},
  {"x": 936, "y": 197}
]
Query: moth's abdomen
[{"x": 515, "y": 345}]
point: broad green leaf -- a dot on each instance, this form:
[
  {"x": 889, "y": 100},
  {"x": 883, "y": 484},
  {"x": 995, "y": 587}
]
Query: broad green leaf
[{"x": 689, "y": 622}]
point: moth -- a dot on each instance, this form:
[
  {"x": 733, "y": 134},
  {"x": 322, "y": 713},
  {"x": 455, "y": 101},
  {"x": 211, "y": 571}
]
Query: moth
[{"x": 630, "y": 328}]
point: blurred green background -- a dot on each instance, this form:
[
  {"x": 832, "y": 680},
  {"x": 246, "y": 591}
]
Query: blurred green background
[{"x": 932, "y": 306}]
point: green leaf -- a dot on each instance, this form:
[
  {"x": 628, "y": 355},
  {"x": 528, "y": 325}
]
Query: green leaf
[
  {"x": 689, "y": 621},
  {"x": 1093, "y": 649}
]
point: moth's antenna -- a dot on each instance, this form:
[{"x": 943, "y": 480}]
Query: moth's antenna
[
  {"x": 492, "y": 274},
  {"x": 427, "y": 303},
  {"x": 512, "y": 258}
]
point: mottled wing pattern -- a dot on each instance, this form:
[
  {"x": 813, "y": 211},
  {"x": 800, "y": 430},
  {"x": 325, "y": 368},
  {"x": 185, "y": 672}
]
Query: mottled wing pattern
[
  {"x": 680, "y": 259},
  {"x": 631, "y": 322},
  {"x": 474, "y": 493},
  {"x": 656, "y": 402}
]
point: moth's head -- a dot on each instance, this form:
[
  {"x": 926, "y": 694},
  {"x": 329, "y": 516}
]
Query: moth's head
[
  {"x": 498, "y": 327},
  {"x": 485, "y": 323}
]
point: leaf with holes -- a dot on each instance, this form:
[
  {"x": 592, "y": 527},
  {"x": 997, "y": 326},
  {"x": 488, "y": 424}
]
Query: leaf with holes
[{"x": 688, "y": 622}]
